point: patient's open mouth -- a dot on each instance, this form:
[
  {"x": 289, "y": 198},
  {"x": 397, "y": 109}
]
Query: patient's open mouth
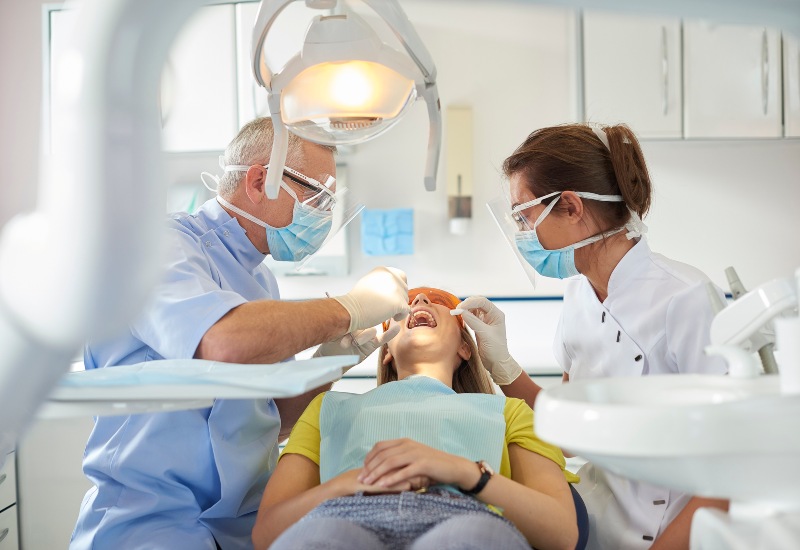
[{"x": 421, "y": 318}]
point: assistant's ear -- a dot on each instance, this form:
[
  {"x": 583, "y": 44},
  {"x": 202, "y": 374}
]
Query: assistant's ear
[
  {"x": 572, "y": 205},
  {"x": 254, "y": 181}
]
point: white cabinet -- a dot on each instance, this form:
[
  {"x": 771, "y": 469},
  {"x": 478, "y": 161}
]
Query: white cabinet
[
  {"x": 632, "y": 72},
  {"x": 198, "y": 93},
  {"x": 9, "y": 530},
  {"x": 732, "y": 81},
  {"x": 791, "y": 85}
]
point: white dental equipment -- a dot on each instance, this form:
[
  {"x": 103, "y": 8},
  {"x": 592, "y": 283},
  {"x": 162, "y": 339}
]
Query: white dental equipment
[
  {"x": 345, "y": 86},
  {"x": 727, "y": 437}
]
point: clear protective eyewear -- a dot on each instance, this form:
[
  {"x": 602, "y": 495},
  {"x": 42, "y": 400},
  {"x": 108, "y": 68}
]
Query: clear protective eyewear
[{"x": 315, "y": 194}]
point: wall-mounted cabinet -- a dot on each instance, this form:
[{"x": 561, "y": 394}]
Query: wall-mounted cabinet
[
  {"x": 632, "y": 72},
  {"x": 791, "y": 85},
  {"x": 9, "y": 531},
  {"x": 732, "y": 81}
]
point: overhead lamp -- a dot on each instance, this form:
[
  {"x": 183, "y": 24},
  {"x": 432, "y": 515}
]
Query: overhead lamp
[{"x": 346, "y": 85}]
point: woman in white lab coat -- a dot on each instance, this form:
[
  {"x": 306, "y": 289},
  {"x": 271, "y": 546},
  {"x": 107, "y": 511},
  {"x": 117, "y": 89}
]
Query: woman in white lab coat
[{"x": 578, "y": 194}]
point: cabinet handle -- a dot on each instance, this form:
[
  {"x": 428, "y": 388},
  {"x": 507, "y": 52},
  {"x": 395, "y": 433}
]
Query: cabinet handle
[
  {"x": 764, "y": 71},
  {"x": 2, "y": 478},
  {"x": 664, "y": 72},
  {"x": 4, "y": 534}
]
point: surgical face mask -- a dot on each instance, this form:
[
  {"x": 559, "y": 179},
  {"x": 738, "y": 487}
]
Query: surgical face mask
[
  {"x": 312, "y": 218},
  {"x": 301, "y": 238},
  {"x": 560, "y": 263}
]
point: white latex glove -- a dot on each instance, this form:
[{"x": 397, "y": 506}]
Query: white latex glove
[
  {"x": 489, "y": 325},
  {"x": 360, "y": 342},
  {"x": 378, "y": 296}
]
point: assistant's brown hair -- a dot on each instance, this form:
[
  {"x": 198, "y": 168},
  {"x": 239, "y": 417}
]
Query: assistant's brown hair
[
  {"x": 469, "y": 377},
  {"x": 571, "y": 157}
]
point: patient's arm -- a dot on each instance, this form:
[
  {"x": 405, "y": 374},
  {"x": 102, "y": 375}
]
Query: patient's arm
[
  {"x": 537, "y": 500},
  {"x": 293, "y": 491},
  {"x": 522, "y": 388}
]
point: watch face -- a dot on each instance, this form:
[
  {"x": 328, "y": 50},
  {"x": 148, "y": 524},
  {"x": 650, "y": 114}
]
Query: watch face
[{"x": 485, "y": 467}]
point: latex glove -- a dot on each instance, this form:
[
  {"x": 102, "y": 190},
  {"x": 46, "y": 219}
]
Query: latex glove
[
  {"x": 489, "y": 325},
  {"x": 360, "y": 342},
  {"x": 378, "y": 296}
]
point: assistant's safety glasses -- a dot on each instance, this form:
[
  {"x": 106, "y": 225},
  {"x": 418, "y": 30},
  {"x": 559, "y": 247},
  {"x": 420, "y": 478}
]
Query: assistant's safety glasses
[{"x": 435, "y": 296}]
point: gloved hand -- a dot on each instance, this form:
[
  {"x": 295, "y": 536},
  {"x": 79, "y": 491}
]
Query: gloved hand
[
  {"x": 360, "y": 342},
  {"x": 489, "y": 325},
  {"x": 379, "y": 295}
]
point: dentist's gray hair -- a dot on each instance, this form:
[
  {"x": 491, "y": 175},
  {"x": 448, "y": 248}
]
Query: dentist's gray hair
[{"x": 253, "y": 145}]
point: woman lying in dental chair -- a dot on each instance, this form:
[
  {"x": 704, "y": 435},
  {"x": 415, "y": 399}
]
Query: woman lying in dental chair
[{"x": 410, "y": 464}]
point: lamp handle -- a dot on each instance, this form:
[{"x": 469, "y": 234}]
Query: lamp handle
[{"x": 431, "y": 96}]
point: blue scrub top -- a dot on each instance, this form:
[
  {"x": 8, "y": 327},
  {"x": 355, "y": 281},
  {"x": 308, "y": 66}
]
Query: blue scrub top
[{"x": 183, "y": 479}]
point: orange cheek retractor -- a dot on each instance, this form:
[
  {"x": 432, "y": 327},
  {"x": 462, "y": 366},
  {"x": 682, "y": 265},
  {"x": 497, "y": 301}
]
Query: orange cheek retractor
[{"x": 436, "y": 296}]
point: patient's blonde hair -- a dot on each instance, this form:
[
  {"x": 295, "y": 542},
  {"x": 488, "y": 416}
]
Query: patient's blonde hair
[{"x": 469, "y": 377}]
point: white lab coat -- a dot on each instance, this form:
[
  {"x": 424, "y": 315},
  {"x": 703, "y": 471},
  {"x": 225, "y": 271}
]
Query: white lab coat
[{"x": 655, "y": 320}]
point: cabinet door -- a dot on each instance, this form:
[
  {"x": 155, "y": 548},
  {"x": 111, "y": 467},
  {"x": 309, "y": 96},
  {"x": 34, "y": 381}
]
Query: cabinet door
[
  {"x": 791, "y": 85},
  {"x": 8, "y": 482},
  {"x": 284, "y": 40},
  {"x": 9, "y": 530},
  {"x": 732, "y": 80},
  {"x": 198, "y": 91},
  {"x": 632, "y": 72}
]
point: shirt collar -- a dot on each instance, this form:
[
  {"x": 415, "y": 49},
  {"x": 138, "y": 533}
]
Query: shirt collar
[
  {"x": 628, "y": 266},
  {"x": 231, "y": 234}
]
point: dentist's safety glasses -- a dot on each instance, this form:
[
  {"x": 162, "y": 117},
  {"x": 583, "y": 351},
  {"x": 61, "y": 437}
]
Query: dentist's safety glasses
[
  {"x": 436, "y": 296},
  {"x": 510, "y": 223}
]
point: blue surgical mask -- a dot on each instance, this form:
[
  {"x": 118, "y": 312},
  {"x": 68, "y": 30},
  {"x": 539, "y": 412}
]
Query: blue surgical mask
[
  {"x": 560, "y": 263},
  {"x": 301, "y": 238}
]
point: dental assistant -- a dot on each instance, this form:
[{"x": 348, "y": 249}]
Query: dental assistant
[
  {"x": 194, "y": 479},
  {"x": 578, "y": 194}
]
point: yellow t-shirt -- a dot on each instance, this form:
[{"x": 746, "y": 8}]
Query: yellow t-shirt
[{"x": 305, "y": 437}]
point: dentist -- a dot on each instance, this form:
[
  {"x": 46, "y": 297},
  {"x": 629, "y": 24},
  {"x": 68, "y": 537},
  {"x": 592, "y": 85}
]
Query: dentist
[
  {"x": 578, "y": 194},
  {"x": 194, "y": 479}
]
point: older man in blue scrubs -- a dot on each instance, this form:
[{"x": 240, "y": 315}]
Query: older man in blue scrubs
[{"x": 194, "y": 479}]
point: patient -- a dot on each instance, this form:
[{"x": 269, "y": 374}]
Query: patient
[{"x": 410, "y": 463}]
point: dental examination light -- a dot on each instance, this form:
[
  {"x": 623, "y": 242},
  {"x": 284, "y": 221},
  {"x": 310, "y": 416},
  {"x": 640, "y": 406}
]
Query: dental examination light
[{"x": 346, "y": 86}]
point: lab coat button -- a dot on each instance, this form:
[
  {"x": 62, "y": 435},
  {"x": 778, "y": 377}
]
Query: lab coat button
[
  {"x": 647, "y": 537},
  {"x": 658, "y": 502},
  {"x": 227, "y": 233},
  {"x": 638, "y": 357},
  {"x": 208, "y": 244}
]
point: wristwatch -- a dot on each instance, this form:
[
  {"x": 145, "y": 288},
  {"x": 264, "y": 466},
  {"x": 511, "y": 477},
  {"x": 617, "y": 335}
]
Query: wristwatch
[{"x": 486, "y": 473}]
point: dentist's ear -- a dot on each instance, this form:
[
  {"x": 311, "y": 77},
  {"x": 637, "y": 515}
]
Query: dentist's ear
[
  {"x": 387, "y": 358},
  {"x": 254, "y": 181}
]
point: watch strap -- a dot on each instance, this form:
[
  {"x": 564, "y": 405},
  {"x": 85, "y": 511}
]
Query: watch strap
[{"x": 486, "y": 474}]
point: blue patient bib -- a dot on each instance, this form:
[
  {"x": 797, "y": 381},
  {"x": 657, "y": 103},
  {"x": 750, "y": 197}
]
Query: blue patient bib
[{"x": 471, "y": 425}]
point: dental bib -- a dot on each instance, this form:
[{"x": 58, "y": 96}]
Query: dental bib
[{"x": 424, "y": 409}]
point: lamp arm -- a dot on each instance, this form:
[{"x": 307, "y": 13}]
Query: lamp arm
[
  {"x": 431, "y": 96},
  {"x": 398, "y": 21},
  {"x": 268, "y": 11},
  {"x": 83, "y": 262}
]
